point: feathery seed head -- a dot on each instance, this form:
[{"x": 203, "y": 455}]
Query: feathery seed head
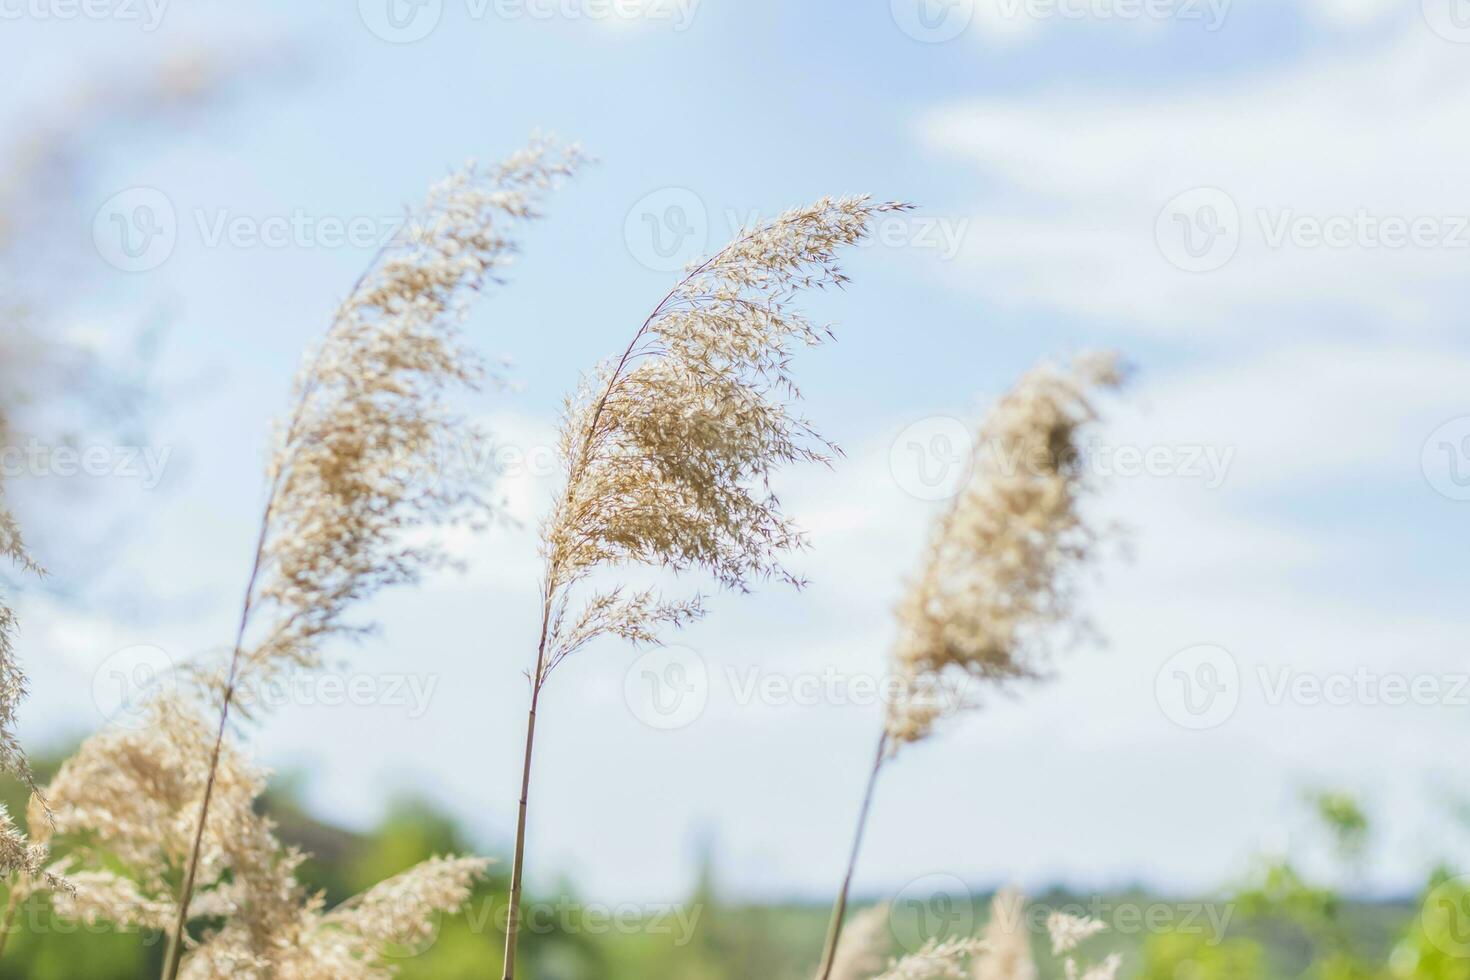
[
  {"x": 671, "y": 448},
  {"x": 864, "y": 946},
  {"x": 126, "y": 805},
  {"x": 937, "y": 960},
  {"x": 998, "y": 577},
  {"x": 1008, "y": 945},
  {"x": 355, "y": 467}
]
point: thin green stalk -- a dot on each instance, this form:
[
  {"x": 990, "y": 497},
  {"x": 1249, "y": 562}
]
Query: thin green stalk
[{"x": 839, "y": 912}]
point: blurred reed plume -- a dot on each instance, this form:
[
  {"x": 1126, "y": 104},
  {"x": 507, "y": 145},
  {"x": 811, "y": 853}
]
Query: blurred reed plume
[
  {"x": 1070, "y": 931},
  {"x": 865, "y": 945},
  {"x": 1003, "y": 952},
  {"x": 126, "y": 805},
  {"x": 17, "y": 854},
  {"x": 997, "y": 580},
  {"x": 355, "y": 467},
  {"x": 669, "y": 449},
  {"x": 1007, "y": 954}
]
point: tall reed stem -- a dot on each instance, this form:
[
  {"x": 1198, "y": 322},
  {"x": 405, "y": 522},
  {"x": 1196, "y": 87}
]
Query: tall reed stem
[
  {"x": 550, "y": 592},
  {"x": 174, "y": 956},
  {"x": 175, "y": 953},
  {"x": 513, "y": 917},
  {"x": 839, "y": 912}
]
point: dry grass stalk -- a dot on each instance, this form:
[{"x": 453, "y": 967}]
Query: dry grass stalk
[
  {"x": 938, "y": 960},
  {"x": 865, "y": 945},
  {"x": 1007, "y": 953},
  {"x": 125, "y": 806},
  {"x": 354, "y": 468},
  {"x": 669, "y": 449},
  {"x": 20, "y": 859},
  {"x": 997, "y": 581}
]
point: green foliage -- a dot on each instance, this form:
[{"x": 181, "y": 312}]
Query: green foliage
[{"x": 1173, "y": 956}]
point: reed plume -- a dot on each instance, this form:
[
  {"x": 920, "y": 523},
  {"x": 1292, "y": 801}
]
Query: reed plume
[
  {"x": 946, "y": 959},
  {"x": 669, "y": 449},
  {"x": 126, "y": 804},
  {"x": 1007, "y": 953},
  {"x": 21, "y": 859},
  {"x": 997, "y": 582},
  {"x": 1070, "y": 931},
  {"x": 865, "y": 945},
  {"x": 355, "y": 468}
]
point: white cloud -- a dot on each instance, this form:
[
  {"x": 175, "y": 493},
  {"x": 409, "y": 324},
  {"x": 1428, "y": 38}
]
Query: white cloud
[
  {"x": 1000, "y": 22},
  {"x": 1076, "y": 185}
]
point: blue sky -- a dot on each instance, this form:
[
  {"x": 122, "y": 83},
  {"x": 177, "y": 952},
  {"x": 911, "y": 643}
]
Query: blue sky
[{"x": 1059, "y": 163}]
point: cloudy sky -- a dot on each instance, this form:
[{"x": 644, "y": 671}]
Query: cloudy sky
[{"x": 1264, "y": 205}]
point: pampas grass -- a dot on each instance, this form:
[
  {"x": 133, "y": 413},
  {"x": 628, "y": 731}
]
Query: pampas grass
[
  {"x": 125, "y": 806},
  {"x": 347, "y": 480},
  {"x": 998, "y": 577},
  {"x": 669, "y": 452},
  {"x": 670, "y": 447}
]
